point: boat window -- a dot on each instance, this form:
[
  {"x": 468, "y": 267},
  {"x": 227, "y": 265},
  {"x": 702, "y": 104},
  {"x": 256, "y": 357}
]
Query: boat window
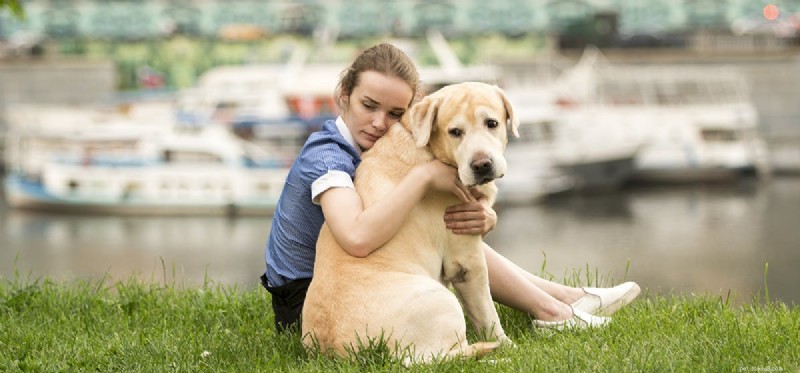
[
  {"x": 669, "y": 87},
  {"x": 619, "y": 92},
  {"x": 171, "y": 156},
  {"x": 131, "y": 189},
  {"x": 719, "y": 135},
  {"x": 539, "y": 131}
]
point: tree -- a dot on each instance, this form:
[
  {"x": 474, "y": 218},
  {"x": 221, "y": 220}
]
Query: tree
[{"x": 15, "y": 6}]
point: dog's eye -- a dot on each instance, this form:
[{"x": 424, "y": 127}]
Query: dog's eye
[
  {"x": 491, "y": 123},
  {"x": 455, "y": 132}
]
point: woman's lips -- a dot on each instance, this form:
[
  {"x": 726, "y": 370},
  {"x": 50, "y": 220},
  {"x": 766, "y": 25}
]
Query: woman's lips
[{"x": 371, "y": 138}]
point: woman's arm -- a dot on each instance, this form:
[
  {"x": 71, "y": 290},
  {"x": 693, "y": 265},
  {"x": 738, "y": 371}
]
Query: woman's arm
[{"x": 361, "y": 231}]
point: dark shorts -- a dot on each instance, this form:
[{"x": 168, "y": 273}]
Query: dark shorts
[{"x": 287, "y": 302}]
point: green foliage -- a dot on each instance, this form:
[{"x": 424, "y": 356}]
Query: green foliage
[
  {"x": 180, "y": 60},
  {"x": 15, "y": 6},
  {"x": 140, "y": 326}
]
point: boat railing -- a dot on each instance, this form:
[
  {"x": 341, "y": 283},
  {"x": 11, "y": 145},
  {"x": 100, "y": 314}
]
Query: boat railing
[
  {"x": 167, "y": 182},
  {"x": 669, "y": 86}
]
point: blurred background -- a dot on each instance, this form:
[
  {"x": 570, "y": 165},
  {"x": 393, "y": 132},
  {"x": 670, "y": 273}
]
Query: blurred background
[{"x": 660, "y": 140}]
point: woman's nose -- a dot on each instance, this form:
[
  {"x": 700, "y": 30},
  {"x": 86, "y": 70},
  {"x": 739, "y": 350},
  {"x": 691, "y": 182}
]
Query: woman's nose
[{"x": 379, "y": 120}]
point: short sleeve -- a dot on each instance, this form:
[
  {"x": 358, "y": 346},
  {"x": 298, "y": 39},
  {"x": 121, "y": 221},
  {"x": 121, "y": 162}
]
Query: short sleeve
[
  {"x": 332, "y": 179},
  {"x": 328, "y": 164}
]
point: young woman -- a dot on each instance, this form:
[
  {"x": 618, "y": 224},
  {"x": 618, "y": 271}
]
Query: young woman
[{"x": 373, "y": 94}]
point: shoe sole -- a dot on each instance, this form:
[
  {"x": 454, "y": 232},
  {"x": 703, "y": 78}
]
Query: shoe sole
[{"x": 626, "y": 298}]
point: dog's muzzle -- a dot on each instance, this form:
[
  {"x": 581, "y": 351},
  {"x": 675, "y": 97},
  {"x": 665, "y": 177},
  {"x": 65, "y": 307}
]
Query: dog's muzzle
[{"x": 482, "y": 170}]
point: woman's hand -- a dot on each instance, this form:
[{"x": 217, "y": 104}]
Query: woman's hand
[
  {"x": 471, "y": 217},
  {"x": 444, "y": 178}
]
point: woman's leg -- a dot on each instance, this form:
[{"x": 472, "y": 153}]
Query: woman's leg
[
  {"x": 518, "y": 289},
  {"x": 565, "y": 294}
]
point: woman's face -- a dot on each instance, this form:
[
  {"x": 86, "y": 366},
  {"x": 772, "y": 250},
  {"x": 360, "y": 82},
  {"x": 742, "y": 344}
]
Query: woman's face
[{"x": 377, "y": 102}]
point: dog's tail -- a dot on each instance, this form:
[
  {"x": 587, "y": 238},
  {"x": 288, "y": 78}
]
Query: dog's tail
[
  {"x": 464, "y": 351},
  {"x": 475, "y": 350}
]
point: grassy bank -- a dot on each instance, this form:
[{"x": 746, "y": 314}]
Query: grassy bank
[{"x": 138, "y": 326}]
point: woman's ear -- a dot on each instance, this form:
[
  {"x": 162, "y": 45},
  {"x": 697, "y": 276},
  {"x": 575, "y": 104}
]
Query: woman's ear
[{"x": 421, "y": 118}]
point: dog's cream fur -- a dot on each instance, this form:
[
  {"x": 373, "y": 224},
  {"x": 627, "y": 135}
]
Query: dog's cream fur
[{"x": 399, "y": 292}]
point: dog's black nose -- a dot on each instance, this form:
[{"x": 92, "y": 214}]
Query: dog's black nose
[{"x": 481, "y": 166}]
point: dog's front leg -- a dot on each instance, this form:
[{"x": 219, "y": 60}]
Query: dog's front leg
[{"x": 465, "y": 268}]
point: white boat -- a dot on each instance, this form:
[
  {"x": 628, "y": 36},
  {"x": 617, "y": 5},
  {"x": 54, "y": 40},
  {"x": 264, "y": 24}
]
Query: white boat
[
  {"x": 694, "y": 122},
  {"x": 552, "y": 157},
  {"x": 122, "y": 167},
  {"x": 274, "y": 105},
  {"x": 530, "y": 176},
  {"x": 564, "y": 154}
]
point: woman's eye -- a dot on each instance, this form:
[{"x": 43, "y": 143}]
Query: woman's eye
[
  {"x": 396, "y": 115},
  {"x": 491, "y": 123},
  {"x": 455, "y": 132}
]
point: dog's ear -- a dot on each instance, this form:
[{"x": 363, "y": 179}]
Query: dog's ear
[
  {"x": 421, "y": 117},
  {"x": 513, "y": 121}
]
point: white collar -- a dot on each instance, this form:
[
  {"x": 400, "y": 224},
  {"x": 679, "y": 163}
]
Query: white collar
[{"x": 342, "y": 127}]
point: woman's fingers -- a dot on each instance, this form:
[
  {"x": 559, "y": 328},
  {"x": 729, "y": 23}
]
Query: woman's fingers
[
  {"x": 470, "y": 218},
  {"x": 464, "y": 192}
]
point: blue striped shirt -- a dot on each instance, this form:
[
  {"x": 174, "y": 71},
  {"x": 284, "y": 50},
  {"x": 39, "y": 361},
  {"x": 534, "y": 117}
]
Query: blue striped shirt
[{"x": 297, "y": 220}]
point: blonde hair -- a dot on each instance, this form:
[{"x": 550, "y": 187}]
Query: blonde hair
[{"x": 383, "y": 58}]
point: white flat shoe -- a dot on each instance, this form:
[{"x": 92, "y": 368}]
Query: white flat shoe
[
  {"x": 606, "y": 301},
  {"x": 579, "y": 320}
]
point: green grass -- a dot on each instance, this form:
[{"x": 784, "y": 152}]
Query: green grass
[{"x": 49, "y": 326}]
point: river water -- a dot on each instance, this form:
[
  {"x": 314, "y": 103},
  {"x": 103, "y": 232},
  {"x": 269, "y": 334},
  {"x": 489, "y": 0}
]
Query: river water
[{"x": 717, "y": 239}]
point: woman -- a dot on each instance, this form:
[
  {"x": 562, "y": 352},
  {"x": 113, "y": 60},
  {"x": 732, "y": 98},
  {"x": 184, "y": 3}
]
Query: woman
[{"x": 373, "y": 94}]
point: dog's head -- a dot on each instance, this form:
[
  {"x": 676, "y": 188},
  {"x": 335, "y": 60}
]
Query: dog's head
[{"x": 465, "y": 126}]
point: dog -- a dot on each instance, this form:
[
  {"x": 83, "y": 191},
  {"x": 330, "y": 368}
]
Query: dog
[{"x": 399, "y": 293}]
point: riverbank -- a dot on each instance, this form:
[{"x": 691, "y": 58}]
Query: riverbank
[{"x": 144, "y": 326}]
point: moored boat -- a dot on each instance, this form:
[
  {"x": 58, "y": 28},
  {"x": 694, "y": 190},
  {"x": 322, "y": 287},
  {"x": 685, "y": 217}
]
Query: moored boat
[
  {"x": 124, "y": 168},
  {"x": 696, "y": 123}
]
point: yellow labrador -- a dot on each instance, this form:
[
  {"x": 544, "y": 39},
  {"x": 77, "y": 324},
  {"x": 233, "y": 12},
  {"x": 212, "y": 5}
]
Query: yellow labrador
[{"x": 399, "y": 293}]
